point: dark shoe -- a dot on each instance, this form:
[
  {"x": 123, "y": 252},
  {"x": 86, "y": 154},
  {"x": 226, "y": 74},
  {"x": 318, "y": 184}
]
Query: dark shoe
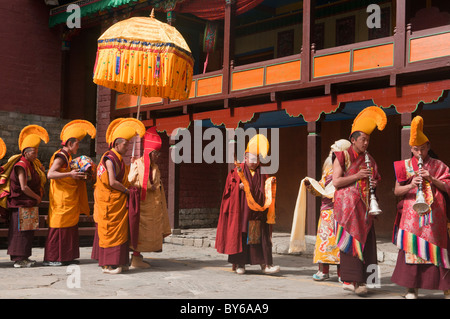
[{"x": 25, "y": 263}]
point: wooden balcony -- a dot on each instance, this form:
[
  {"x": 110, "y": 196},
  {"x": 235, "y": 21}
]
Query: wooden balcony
[{"x": 372, "y": 62}]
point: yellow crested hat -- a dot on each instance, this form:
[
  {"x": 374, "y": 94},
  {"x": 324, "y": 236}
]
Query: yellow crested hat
[
  {"x": 258, "y": 145},
  {"x": 124, "y": 128},
  {"x": 417, "y": 137},
  {"x": 2, "y": 149},
  {"x": 31, "y": 136},
  {"x": 77, "y": 129},
  {"x": 368, "y": 119}
]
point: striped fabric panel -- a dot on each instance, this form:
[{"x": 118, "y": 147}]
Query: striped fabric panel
[{"x": 411, "y": 243}]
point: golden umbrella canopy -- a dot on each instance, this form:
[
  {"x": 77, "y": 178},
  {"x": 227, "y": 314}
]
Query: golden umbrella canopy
[{"x": 144, "y": 57}]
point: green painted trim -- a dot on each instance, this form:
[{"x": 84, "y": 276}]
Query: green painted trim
[
  {"x": 408, "y": 49},
  {"x": 196, "y": 88},
  {"x": 332, "y": 53},
  {"x": 87, "y": 9},
  {"x": 285, "y": 62},
  {"x": 374, "y": 45},
  {"x": 429, "y": 35}
]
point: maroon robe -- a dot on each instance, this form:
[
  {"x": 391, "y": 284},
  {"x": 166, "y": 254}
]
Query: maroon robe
[
  {"x": 134, "y": 213},
  {"x": 62, "y": 244},
  {"x": 232, "y": 227},
  {"x": 20, "y": 242},
  {"x": 95, "y": 246}
]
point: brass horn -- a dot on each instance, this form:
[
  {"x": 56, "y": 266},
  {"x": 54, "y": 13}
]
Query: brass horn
[
  {"x": 374, "y": 208},
  {"x": 420, "y": 206}
]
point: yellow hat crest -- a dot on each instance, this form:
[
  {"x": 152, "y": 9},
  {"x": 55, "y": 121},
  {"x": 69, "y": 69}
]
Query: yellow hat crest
[
  {"x": 258, "y": 145},
  {"x": 368, "y": 119},
  {"x": 125, "y": 128},
  {"x": 31, "y": 136},
  {"x": 77, "y": 129},
  {"x": 417, "y": 137},
  {"x": 2, "y": 149}
]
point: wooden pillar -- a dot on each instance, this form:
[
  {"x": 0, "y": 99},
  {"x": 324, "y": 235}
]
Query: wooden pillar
[
  {"x": 313, "y": 169},
  {"x": 65, "y": 60},
  {"x": 105, "y": 107},
  {"x": 173, "y": 187},
  {"x": 228, "y": 44},
  {"x": 400, "y": 35},
  {"x": 308, "y": 25},
  {"x": 405, "y": 133}
]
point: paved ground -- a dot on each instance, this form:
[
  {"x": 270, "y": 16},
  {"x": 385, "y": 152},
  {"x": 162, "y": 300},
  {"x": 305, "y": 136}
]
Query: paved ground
[{"x": 183, "y": 272}]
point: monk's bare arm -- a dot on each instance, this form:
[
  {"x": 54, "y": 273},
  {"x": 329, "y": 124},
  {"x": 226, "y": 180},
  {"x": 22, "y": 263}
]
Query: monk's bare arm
[
  {"x": 113, "y": 182},
  {"x": 54, "y": 174},
  {"x": 402, "y": 190},
  {"x": 436, "y": 182}
]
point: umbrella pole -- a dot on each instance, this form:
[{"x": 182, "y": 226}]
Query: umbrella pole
[{"x": 137, "y": 116}]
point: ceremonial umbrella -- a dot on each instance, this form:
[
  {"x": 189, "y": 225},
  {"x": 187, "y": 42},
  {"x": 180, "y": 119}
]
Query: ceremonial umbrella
[{"x": 145, "y": 57}]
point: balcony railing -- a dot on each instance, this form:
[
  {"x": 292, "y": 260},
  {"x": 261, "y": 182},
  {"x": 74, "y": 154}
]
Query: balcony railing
[{"x": 426, "y": 49}]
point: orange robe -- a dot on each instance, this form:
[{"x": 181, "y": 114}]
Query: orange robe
[
  {"x": 110, "y": 207},
  {"x": 68, "y": 197}
]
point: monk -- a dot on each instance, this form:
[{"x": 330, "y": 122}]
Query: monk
[
  {"x": 422, "y": 238},
  {"x": 111, "y": 194},
  {"x": 244, "y": 232},
  {"x": 326, "y": 251},
  {"x": 153, "y": 215},
  {"x": 27, "y": 182},
  {"x": 355, "y": 232},
  {"x": 68, "y": 197}
]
